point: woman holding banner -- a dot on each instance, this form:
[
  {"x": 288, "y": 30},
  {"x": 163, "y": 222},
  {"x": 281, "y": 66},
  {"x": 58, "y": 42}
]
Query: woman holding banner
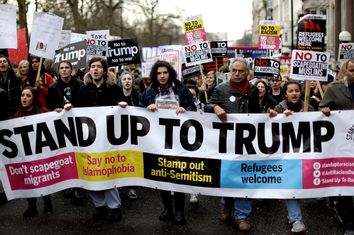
[
  {"x": 30, "y": 105},
  {"x": 292, "y": 103}
]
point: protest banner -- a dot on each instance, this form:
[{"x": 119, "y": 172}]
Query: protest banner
[
  {"x": 75, "y": 53},
  {"x": 303, "y": 155},
  {"x": 309, "y": 65},
  {"x": 218, "y": 48},
  {"x": 21, "y": 53},
  {"x": 345, "y": 52},
  {"x": 311, "y": 33},
  {"x": 65, "y": 38},
  {"x": 97, "y": 43},
  {"x": 194, "y": 29},
  {"x": 8, "y": 36},
  {"x": 265, "y": 68},
  {"x": 197, "y": 53},
  {"x": 269, "y": 35},
  {"x": 123, "y": 51},
  {"x": 45, "y": 35}
]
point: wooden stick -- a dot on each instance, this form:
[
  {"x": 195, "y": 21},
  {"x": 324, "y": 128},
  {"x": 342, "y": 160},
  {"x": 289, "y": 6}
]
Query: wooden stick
[
  {"x": 320, "y": 88},
  {"x": 307, "y": 95},
  {"x": 39, "y": 69}
]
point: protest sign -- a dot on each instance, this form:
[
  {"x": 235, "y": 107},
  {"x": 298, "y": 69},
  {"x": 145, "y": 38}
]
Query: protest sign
[
  {"x": 194, "y": 29},
  {"x": 285, "y": 65},
  {"x": 173, "y": 57},
  {"x": 269, "y": 35},
  {"x": 191, "y": 71},
  {"x": 97, "y": 43},
  {"x": 309, "y": 65},
  {"x": 77, "y": 37},
  {"x": 218, "y": 48},
  {"x": 214, "y": 65},
  {"x": 197, "y": 53},
  {"x": 123, "y": 51},
  {"x": 146, "y": 68},
  {"x": 265, "y": 68},
  {"x": 311, "y": 33},
  {"x": 65, "y": 38},
  {"x": 21, "y": 53},
  {"x": 8, "y": 36},
  {"x": 345, "y": 52},
  {"x": 75, "y": 53},
  {"x": 302, "y": 155},
  {"x": 45, "y": 35}
]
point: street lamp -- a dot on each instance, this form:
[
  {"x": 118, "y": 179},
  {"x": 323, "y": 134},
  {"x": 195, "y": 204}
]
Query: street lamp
[{"x": 345, "y": 37}]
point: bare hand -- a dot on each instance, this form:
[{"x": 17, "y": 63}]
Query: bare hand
[
  {"x": 180, "y": 110},
  {"x": 272, "y": 113},
  {"x": 326, "y": 111},
  {"x": 152, "y": 107},
  {"x": 288, "y": 112},
  {"x": 220, "y": 112},
  {"x": 68, "y": 106},
  {"x": 122, "y": 104}
]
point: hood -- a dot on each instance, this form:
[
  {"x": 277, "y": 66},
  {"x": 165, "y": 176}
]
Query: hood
[{"x": 110, "y": 79}]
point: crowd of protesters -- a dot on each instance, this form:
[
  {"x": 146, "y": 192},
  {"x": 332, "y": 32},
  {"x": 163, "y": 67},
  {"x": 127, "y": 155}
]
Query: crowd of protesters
[{"x": 34, "y": 89}]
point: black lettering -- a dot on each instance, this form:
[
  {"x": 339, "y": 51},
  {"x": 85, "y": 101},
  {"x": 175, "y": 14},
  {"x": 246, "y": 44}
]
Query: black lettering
[
  {"x": 198, "y": 135},
  {"x": 318, "y": 138},
  {"x": 246, "y": 141},
  {"x": 23, "y": 131},
  {"x": 135, "y": 132},
  {"x": 80, "y": 121},
  {"x": 223, "y": 127},
  {"x": 43, "y": 131},
  {"x": 11, "y": 145},
  {"x": 169, "y": 124},
  {"x": 63, "y": 131},
  {"x": 302, "y": 135},
  {"x": 124, "y": 132},
  {"x": 262, "y": 138}
]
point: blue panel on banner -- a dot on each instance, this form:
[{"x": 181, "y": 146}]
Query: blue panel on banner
[{"x": 268, "y": 174}]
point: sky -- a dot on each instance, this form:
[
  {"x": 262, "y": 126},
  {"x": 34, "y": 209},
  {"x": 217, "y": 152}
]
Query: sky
[{"x": 231, "y": 16}]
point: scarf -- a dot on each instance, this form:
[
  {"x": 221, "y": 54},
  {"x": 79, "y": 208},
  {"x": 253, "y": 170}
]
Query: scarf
[{"x": 240, "y": 87}]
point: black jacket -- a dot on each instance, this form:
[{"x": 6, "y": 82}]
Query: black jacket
[
  {"x": 55, "y": 98},
  {"x": 186, "y": 99},
  {"x": 232, "y": 101}
]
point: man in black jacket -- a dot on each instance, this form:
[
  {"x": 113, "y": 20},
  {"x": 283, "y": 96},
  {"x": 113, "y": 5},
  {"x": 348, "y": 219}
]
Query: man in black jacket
[
  {"x": 235, "y": 96},
  {"x": 65, "y": 90}
]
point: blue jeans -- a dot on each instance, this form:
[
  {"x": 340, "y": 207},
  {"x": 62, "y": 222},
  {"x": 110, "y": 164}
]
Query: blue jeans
[
  {"x": 294, "y": 210},
  {"x": 242, "y": 208}
]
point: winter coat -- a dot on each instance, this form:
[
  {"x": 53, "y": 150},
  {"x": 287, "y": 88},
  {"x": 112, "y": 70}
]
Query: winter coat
[
  {"x": 109, "y": 93},
  {"x": 338, "y": 96},
  {"x": 232, "y": 101},
  {"x": 56, "y": 93},
  {"x": 186, "y": 99},
  {"x": 282, "y": 106}
]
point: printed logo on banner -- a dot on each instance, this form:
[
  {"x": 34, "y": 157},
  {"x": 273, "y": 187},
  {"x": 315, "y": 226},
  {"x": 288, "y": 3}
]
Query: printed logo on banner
[
  {"x": 197, "y": 53},
  {"x": 309, "y": 65},
  {"x": 346, "y": 51},
  {"x": 188, "y": 171},
  {"x": 312, "y": 32},
  {"x": 75, "y": 53},
  {"x": 329, "y": 172},
  {"x": 266, "y": 68},
  {"x": 350, "y": 134},
  {"x": 123, "y": 51}
]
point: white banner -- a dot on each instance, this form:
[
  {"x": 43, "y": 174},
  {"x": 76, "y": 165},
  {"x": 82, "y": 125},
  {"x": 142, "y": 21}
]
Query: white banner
[
  {"x": 45, "y": 35},
  {"x": 8, "y": 35},
  {"x": 303, "y": 155}
]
